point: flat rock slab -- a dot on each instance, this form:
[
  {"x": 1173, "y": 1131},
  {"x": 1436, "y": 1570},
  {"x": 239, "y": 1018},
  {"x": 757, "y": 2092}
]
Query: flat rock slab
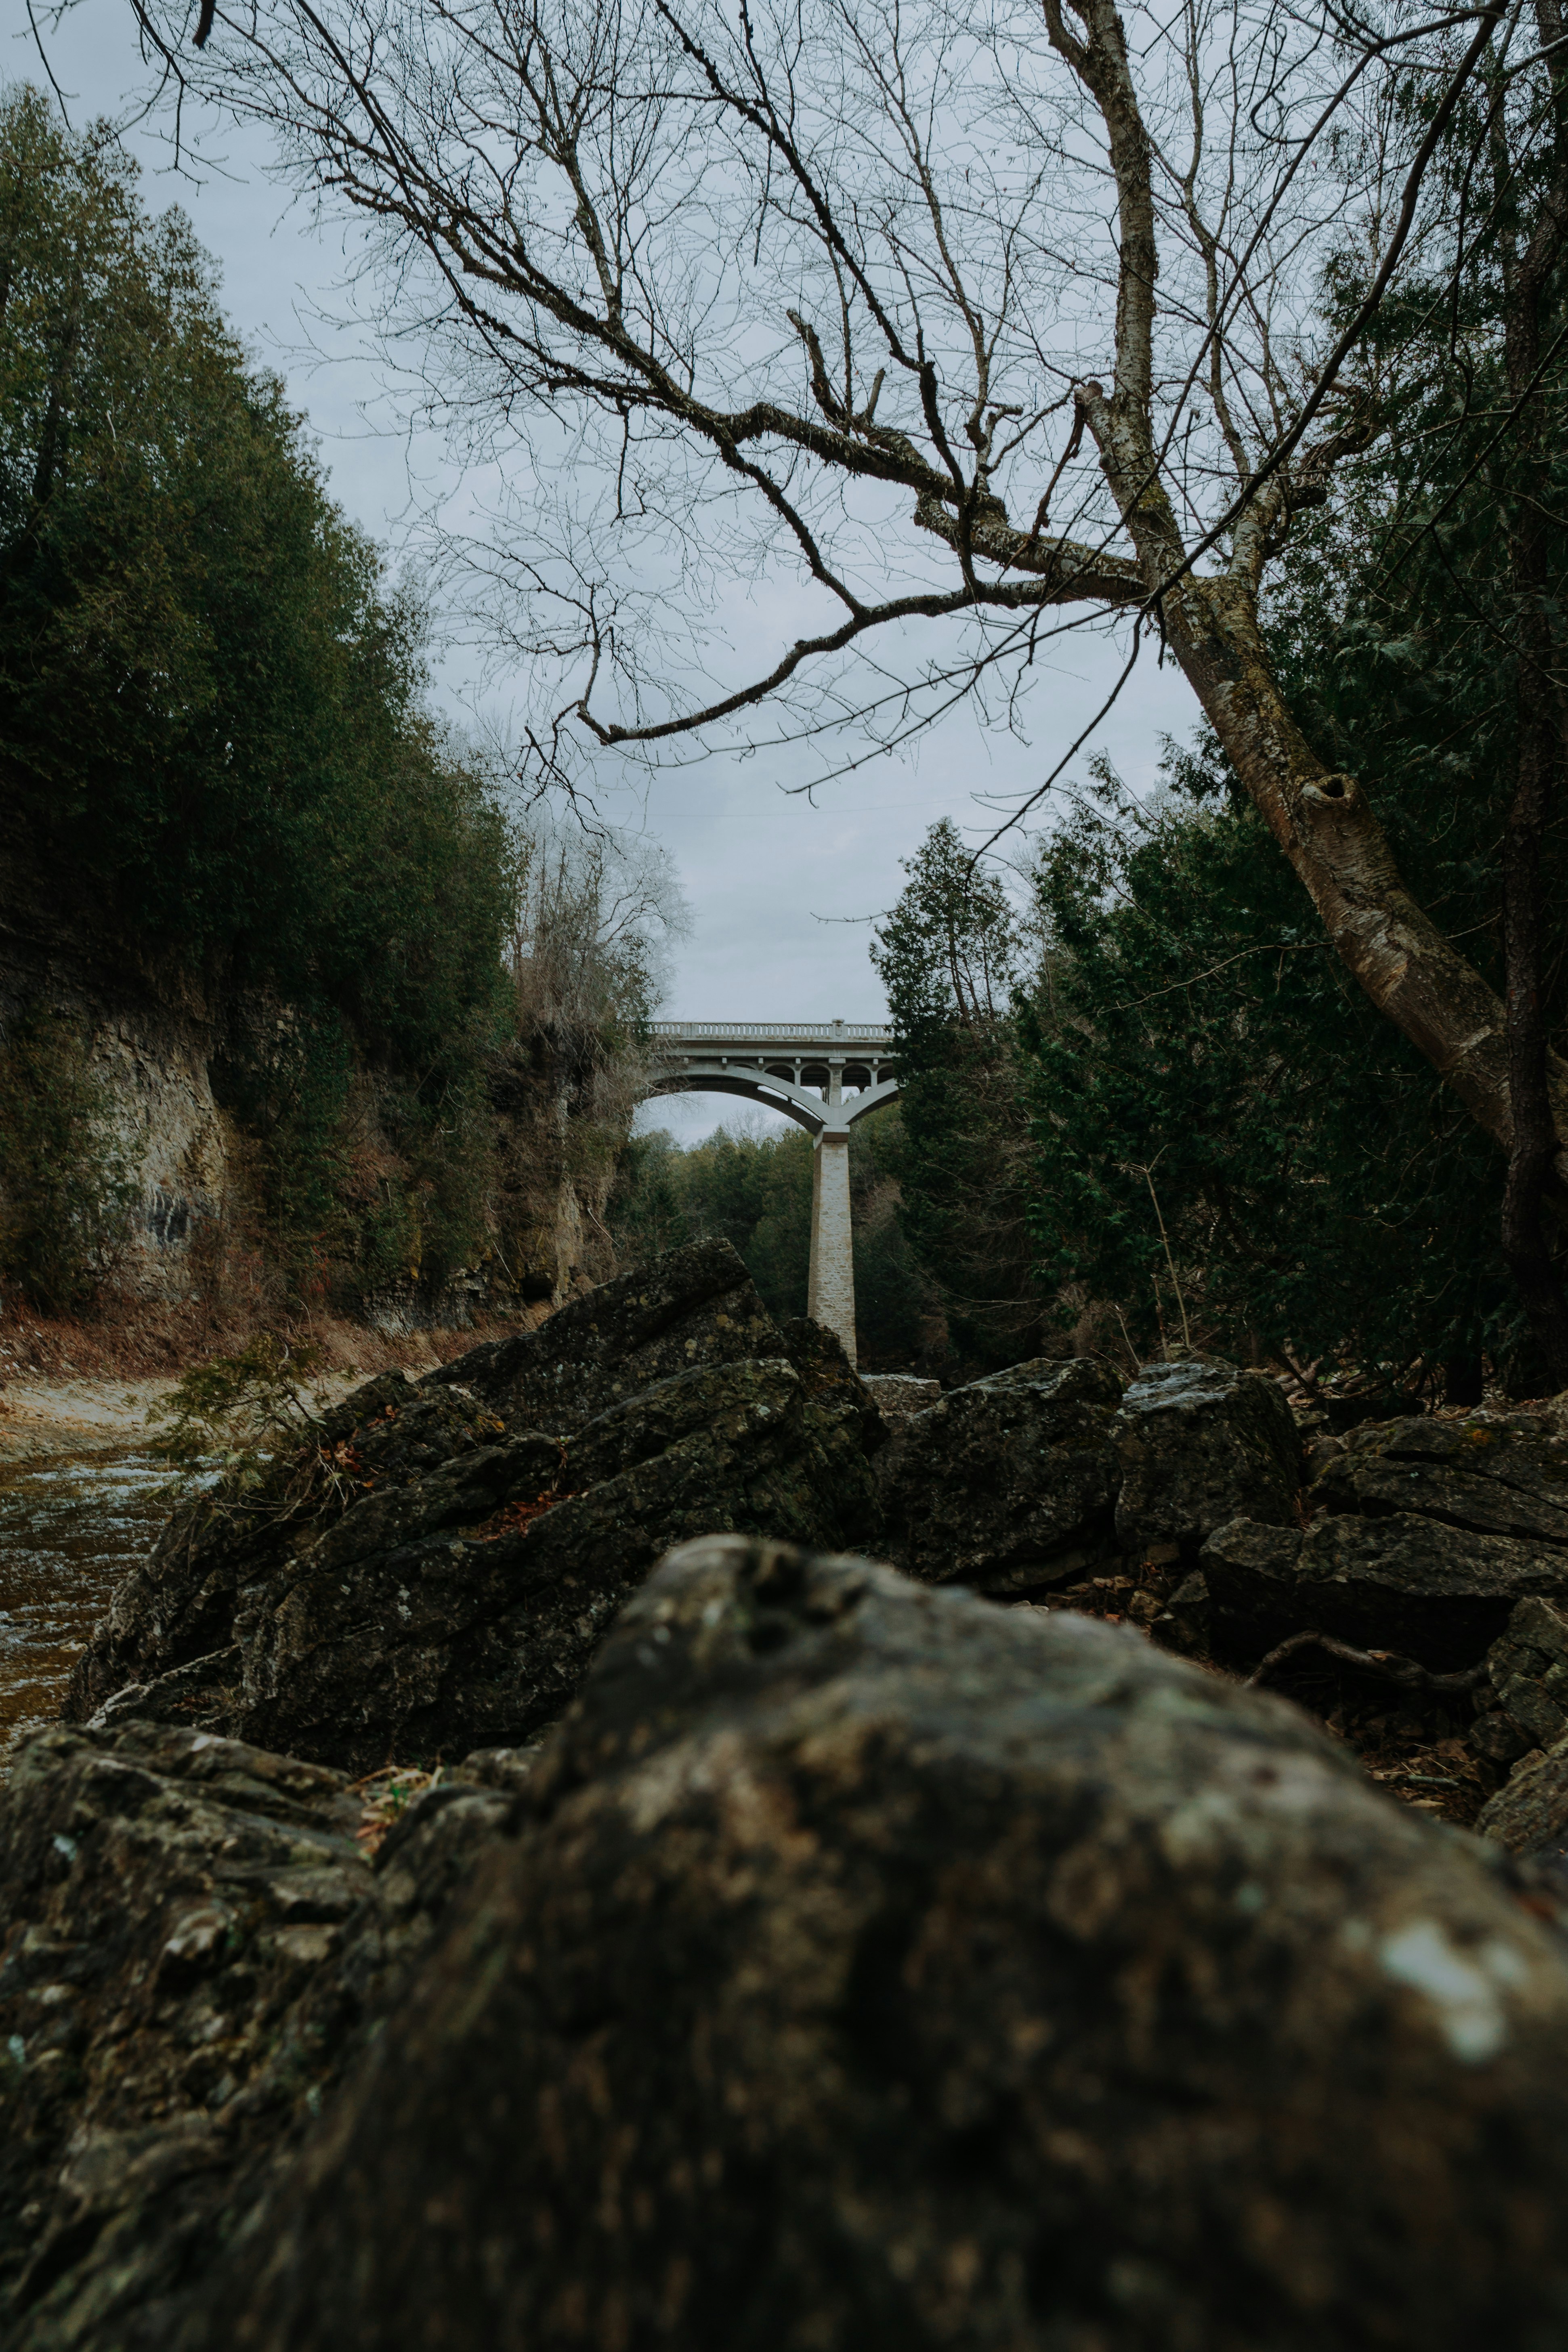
[
  {"x": 896, "y": 1395},
  {"x": 1008, "y": 1484},
  {"x": 1494, "y": 1474},
  {"x": 883, "y": 1970},
  {"x": 1438, "y": 1594},
  {"x": 1201, "y": 1442}
]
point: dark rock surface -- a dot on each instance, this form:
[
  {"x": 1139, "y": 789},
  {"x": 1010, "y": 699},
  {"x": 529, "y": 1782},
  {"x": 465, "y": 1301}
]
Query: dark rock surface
[
  {"x": 879, "y": 1968},
  {"x": 443, "y": 1579},
  {"x": 1199, "y": 1442},
  {"x": 192, "y": 1947},
  {"x": 357, "y": 1653},
  {"x": 1530, "y": 1814},
  {"x": 830, "y": 1379},
  {"x": 1527, "y": 1701},
  {"x": 1494, "y": 1474},
  {"x": 896, "y": 1395},
  {"x": 1434, "y": 1592},
  {"x": 1008, "y": 1484},
  {"x": 693, "y": 1305},
  {"x": 180, "y": 1606}
]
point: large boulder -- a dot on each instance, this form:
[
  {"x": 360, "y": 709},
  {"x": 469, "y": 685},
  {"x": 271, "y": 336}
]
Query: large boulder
[
  {"x": 689, "y": 1306},
  {"x": 448, "y": 1635},
  {"x": 1008, "y": 1484},
  {"x": 1435, "y": 1593},
  {"x": 192, "y": 1945},
  {"x": 1200, "y": 1441},
  {"x": 435, "y": 1572},
  {"x": 179, "y": 1605},
  {"x": 882, "y": 1968}
]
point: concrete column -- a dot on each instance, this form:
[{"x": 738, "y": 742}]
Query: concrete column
[{"x": 830, "y": 1288}]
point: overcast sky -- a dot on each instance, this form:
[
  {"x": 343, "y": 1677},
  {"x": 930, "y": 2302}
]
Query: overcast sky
[{"x": 770, "y": 877}]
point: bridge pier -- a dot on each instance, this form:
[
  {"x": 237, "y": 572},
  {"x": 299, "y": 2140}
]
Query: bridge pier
[
  {"x": 823, "y": 1074},
  {"x": 830, "y": 1284}
]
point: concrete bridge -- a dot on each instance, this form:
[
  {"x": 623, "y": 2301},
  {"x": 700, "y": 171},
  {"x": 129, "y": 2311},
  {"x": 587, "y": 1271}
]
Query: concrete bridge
[{"x": 823, "y": 1074}]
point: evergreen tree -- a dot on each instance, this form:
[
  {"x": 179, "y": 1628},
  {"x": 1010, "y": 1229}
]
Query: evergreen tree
[
  {"x": 212, "y": 730},
  {"x": 950, "y": 955}
]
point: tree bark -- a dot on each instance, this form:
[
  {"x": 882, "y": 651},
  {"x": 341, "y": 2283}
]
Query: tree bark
[{"x": 1537, "y": 742}]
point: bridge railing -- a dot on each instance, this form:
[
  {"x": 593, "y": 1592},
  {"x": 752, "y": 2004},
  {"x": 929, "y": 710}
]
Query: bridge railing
[{"x": 777, "y": 1031}]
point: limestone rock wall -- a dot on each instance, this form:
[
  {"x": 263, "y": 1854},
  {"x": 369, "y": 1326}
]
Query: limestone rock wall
[
  {"x": 152, "y": 1036},
  {"x": 150, "y": 1039}
]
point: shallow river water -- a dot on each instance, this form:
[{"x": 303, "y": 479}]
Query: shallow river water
[{"x": 69, "y": 1530}]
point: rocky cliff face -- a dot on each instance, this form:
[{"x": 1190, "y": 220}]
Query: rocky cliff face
[
  {"x": 154, "y": 1041},
  {"x": 150, "y": 1039}
]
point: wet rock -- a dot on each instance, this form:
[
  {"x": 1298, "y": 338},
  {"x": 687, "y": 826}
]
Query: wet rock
[
  {"x": 1495, "y": 1473},
  {"x": 879, "y": 1967},
  {"x": 896, "y": 1395},
  {"x": 1201, "y": 1442},
  {"x": 1437, "y": 1593},
  {"x": 193, "y": 1941},
  {"x": 691, "y": 1307},
  {"x": 1008, "y": 1484}
]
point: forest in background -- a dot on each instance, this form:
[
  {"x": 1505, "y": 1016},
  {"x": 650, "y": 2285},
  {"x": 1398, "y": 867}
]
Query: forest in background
[
  {"x": 1143, "y": 1105},
  {"x": 1241, "y": 338},
  {"x": 1146, "y": 1106},
  {"x": 216, "y": 742}
]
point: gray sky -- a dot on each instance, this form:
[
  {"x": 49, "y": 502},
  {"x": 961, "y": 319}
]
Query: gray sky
[{"x": 770, "y": 877}]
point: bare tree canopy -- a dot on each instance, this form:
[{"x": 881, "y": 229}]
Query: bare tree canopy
[{"x": 1015, "y": 317}]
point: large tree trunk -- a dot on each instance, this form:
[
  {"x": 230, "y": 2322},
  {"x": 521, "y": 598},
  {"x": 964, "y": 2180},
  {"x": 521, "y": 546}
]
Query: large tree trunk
[
  {"x": 1320, "y": 819},
  {"x": 1326, "y": 827},
  {"x": 1537, "y": 743}
]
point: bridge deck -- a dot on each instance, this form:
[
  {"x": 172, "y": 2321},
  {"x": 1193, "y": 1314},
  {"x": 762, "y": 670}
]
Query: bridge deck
[{"x": 774, "y": 1032}]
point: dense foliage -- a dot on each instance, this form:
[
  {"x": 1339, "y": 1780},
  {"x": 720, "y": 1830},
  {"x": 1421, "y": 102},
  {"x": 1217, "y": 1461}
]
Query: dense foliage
[
  {"x": 1229, "y": 1141},
  {"x": 1184, "y": 1125},
  {"x": 950, "y": 954},
  {"x": 1199, "y": 1052},
  {"x": 211, "y": 721},
  {"x": 1228, "y": 1144}
]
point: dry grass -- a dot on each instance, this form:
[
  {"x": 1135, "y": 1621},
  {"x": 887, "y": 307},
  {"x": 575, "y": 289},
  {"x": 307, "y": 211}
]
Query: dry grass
[{"x": 141, "y": 1339}]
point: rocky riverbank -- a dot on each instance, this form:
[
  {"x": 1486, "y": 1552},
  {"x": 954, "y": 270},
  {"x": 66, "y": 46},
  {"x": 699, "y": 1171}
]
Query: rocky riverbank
[{"x": 768, "y": 1946}]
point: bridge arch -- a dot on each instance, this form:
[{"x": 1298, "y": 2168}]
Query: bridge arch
[{"x": 825, "y": 1075}]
